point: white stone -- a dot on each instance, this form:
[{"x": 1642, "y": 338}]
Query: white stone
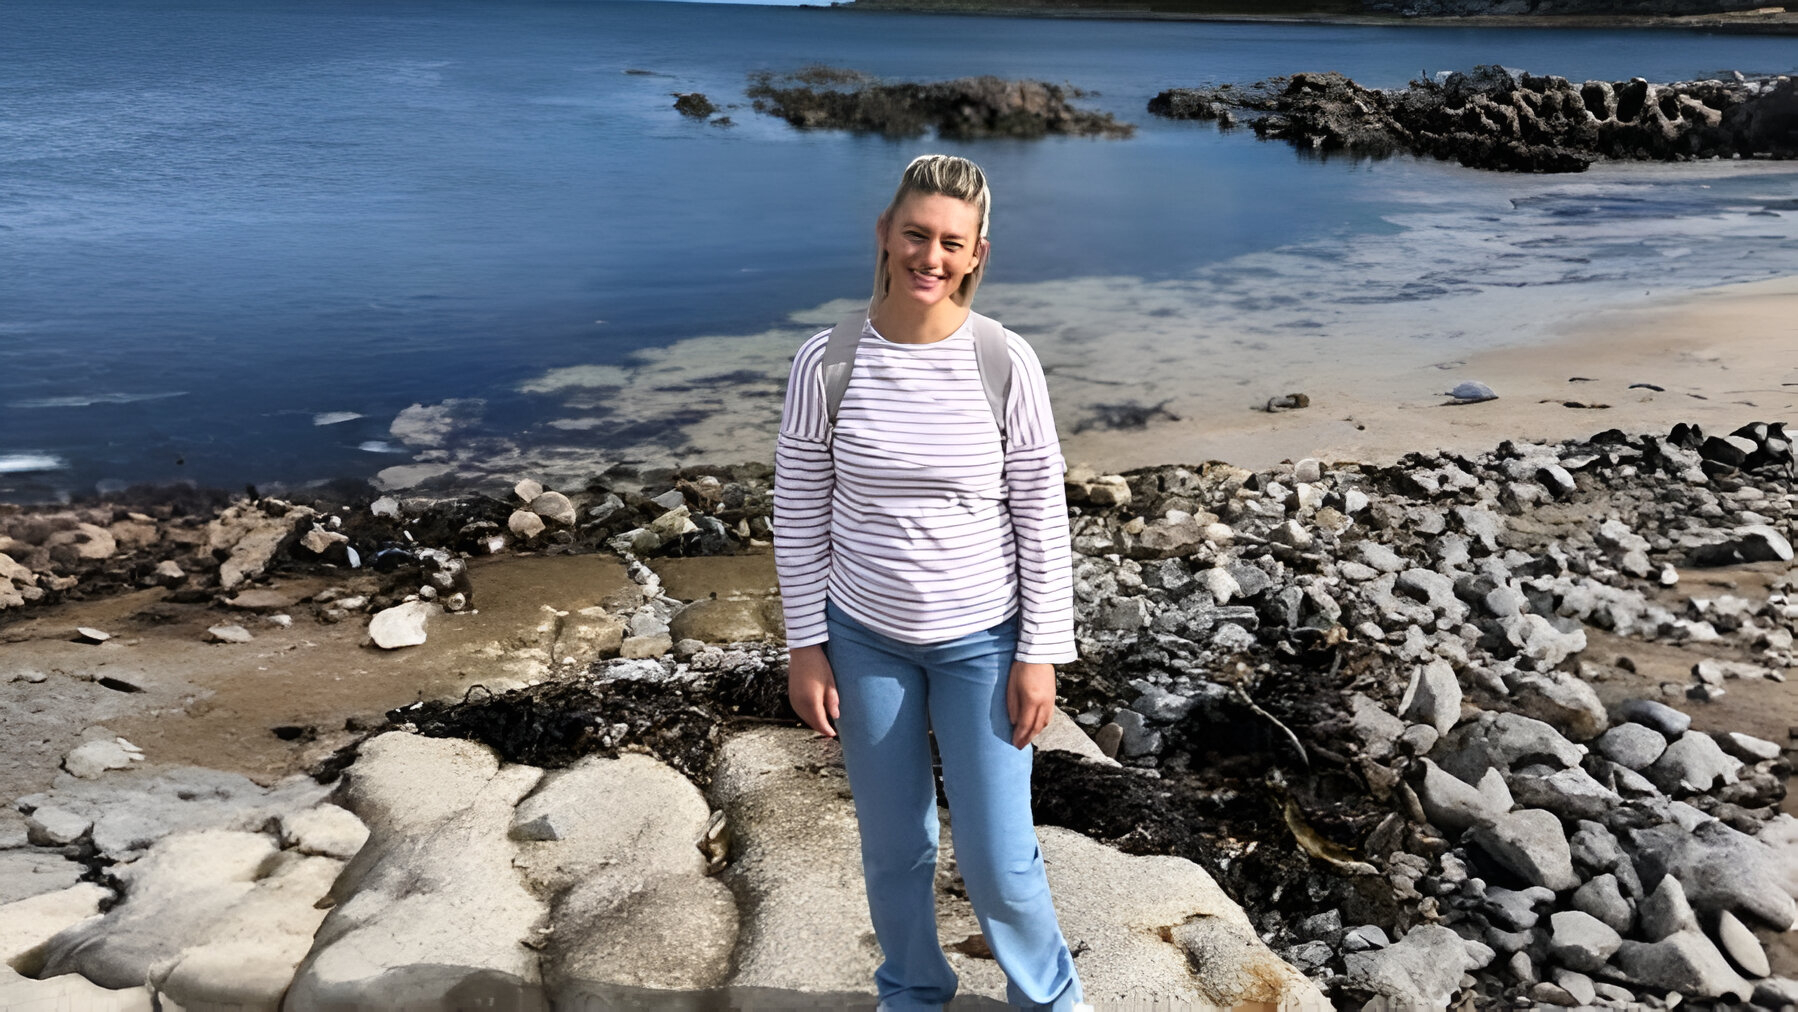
[
  {"x": 402, "y": 625},
  {"x": 228, "y": 634}
]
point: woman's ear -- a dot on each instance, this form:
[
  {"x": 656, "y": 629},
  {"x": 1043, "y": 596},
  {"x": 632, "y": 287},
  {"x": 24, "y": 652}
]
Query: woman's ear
[
  {"x": 880, "y": 228},
  {"x": 981, "y": 252}
]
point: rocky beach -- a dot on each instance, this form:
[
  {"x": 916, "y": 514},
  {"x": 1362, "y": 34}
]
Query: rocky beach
[{"x": 1455, "y": 727}]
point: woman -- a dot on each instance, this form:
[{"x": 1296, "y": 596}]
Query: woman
[{"x": 924, "y": 569}]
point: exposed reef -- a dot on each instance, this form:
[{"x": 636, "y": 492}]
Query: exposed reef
[
  {"x": 828, "y": 98},
  {"x": 1510, "y": 121}
]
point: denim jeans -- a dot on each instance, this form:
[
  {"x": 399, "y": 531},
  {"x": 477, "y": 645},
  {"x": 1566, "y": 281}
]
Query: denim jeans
[{"x": 890, "y": 695}]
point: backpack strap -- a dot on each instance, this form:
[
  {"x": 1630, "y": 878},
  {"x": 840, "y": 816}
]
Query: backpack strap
[
  {"x": 839, "y": 359},
  {"x": 995, "y": 367},
  {"x": 990, "y": 354}
]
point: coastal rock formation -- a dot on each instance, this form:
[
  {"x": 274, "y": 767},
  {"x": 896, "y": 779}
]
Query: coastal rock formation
[
  {"x": 1496, "y": 118},
  {"x": 963, "y": 109}
]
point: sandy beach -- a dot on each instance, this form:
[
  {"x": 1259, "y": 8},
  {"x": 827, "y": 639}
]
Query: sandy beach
[{"x": 1725, "y": 356}]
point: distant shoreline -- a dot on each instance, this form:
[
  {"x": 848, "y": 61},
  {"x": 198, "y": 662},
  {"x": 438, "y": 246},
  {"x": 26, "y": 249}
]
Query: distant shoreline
[{"x": 1745, "y": 23}]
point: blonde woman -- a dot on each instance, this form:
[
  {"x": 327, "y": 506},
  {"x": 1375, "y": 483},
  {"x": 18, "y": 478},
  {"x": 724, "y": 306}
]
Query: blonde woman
[{"x": 921, "y": 538}]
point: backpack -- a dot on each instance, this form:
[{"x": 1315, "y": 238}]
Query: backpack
[{"x": 989, "y": 352}]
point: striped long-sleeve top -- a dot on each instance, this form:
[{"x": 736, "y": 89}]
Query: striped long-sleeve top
[{"x": 923, "y": 527}]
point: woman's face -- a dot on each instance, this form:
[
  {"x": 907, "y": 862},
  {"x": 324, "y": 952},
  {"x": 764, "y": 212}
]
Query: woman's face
[{"x": 932, "y": 241}]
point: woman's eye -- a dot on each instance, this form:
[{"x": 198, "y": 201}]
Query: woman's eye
[{"x": 952, "y": 246}]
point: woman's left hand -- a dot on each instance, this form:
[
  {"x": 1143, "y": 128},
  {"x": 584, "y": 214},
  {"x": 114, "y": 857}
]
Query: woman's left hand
[{"x": 1030, "y": 699}]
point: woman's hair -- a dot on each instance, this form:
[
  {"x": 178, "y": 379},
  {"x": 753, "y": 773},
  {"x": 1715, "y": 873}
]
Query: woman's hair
[{"x": 950, "y": 176}]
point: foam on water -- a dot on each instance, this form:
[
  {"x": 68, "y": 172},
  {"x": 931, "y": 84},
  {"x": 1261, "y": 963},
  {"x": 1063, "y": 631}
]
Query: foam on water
[
  {"x": 90, "y": 400},
  {"x": 29, "y": 463}
]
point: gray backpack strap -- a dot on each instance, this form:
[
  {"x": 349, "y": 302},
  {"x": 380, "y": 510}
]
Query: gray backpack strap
[
  {"x": 995, "y": 366},
  {"x": 839, "y": 359}
]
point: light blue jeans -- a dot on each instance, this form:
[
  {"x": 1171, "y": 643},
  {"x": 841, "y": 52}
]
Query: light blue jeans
[{"x": 891, "y": 694}]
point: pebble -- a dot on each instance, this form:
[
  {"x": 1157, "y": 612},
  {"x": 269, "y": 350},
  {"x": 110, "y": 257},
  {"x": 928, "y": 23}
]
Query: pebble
[
  {"x": 1740, "y": 945},
  {"x": 88, "y": 634},
  {"x": 228, "y": 634}
]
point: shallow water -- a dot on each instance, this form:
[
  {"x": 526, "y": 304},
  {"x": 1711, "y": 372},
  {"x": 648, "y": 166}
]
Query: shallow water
[{"x": 236, "y": 244}]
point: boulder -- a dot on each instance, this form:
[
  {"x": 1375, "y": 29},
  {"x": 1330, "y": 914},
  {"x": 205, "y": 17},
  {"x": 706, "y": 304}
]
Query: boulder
[
  {"x": 554, "y": 506},
  {"x": 1649, "y": 713},
  {"x": 1693, "y": 763},
  {"x": 1502, "y": 740},
  {"x": 1531, "y": 844},
  {"x": 1601, "y": 898},
  {"x": 1720, "y": 868},
  {"x": 1581, "y": 941},
  {"x": 1421, "y": 970},
  {"x": 1686, "y": 962},
  {"x": 1451, "y": 803},
  {"x": 1563, "y": 701},
  {"x": 432, "y": 901},
  {"x": 31, "y": 872},
  {"x": 613, "y": 842},
  {"x": 1634, "y": 746}
]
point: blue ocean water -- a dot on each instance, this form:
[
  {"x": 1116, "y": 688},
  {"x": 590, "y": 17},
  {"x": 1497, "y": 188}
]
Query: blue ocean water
[{"x": 238, "y": 240}]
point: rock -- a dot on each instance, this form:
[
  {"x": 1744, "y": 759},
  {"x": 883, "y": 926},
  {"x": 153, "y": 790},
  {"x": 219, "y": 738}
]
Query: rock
[
  {"x": 228, "y": 634},
  {"x": 633, "y": 905},
  {"x": 1747, "y": 747},
  {"x": 1692, "y": 764},
  {"x": 1308, "y": 470},
  {"x": 174, "y": 893},
  {"x": 1665, "y": 911},
  {"x": 1516, "y": 909},
  {"x": 29, "y": 922},
  {"x": 90, "y": 760},
  {"x": 1531, "y": 844},
  {"x": 30, "y": 872},
  {"x": 131, "y": 813},
  {"x": 1065, "y": 735},
  {"x": 1472, "y": 392},
  {"x": 1601, "y": 898},
  {"x": 318, "y": 541},
  {"x": 386, "y": 507},
  {"x": 1365, "y": 938},
  {"x": 525, "y": 523},
  {"x": 726, "y": 620},
  {"x": 1635, "y": 746},
  {"x": 89, "y": 634},
  {"x": 1570, "y": 793},
  {"x": 1434, "y": 696},
  {"x": 1539, "y": 640},
  {"x": 1563, "y": 701},
  {"x": 325, "y": 830},
  {"x": 527, "y": 490},
  {"x": 1686, "y": 962},
  {"x": 402, "y": 625},
  {"x": 252, "y": 538},
  {"x": 1502, "y": 740},
  {"x": 963, "y": 109},
  {"x": 1581, "y": 941},
  {"x": 1450, "y": 802},
  {"x": 1719, "y": 869},
  {"x": 554, "y": 506},
  {"x": 1577, "y": 986},
  {"x": 1423, "y": 968},
  {"x": 1660, "y": 716},
  {"x": 49, "y": 826},
  {"x": 1741, "y": 946},
  {"x": 434, "y": 884},
  {"x": 1138, "y": 738}
]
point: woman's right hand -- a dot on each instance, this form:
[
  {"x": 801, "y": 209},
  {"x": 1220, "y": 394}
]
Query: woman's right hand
[{"x": 812, "y": 688}]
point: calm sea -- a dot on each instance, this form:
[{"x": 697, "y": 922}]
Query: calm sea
[{"x": 238, "y": 241}]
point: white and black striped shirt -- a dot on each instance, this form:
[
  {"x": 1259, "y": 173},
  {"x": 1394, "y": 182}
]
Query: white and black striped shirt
[{"x": 923, "y": 528}]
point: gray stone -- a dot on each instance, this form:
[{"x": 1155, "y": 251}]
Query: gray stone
[
  {"x": 228, "y": 634},
  {"x": 1741, "y": 946},
  {"x": 1762, "y": 543},
  {"x": 1418, "y": 739},
  {"x": 325, "y": 830},
  {"x": 1747, "y": 747},
  {"x": 1563, "y": 701},
  {"x": 1663, "y": 718},
  {"x": 1692, "y": 764},
  {"x": 1540, "y": 640},
  {"x": 1686, "y": 962},
  {"x": 1602, "y": 898},
  {"x": 1634, "y": 746},
  {"x": 131, "y": 813},
  {"x": 1515, "y": 909},
  {"x": 1501, "y": 740},
  {"x": 1581, "y": 941},
  {"x": 28, "y": 873},
  {"x": 1138, "y": 738},
  {"x": 1570, "y": 793},
  {"x": 91, "y": 759},
  {"x": 1450, "y": 802},
  {"x": 1531, "y": 844},
  {"x": 50, "y": 826},
  {"x": 1433, "y": 589},
  {"x": 1719, "y": 869},
  {"x": 1665, "y": 911},
  {"x": 1380, "y": 557},
  {"x": 1156, "y": 703},
  {"x": 1373, "y": 727},
  {"x": 1434, "y": 696},
  {"x": 1423, "y": 968},
  {"x": 1577, "y": 985},
  {"x": 1364, "y": 938}
]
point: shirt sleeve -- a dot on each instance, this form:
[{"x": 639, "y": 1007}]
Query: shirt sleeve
[
  {"x": 804, "y": 480},
  {"x": 1039, "y": 513}
]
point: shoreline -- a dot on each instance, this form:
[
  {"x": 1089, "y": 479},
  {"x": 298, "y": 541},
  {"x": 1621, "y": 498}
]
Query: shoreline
[
  {"x": 1396, "y": 401},
  {"x": 1745, "y": 23}
]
